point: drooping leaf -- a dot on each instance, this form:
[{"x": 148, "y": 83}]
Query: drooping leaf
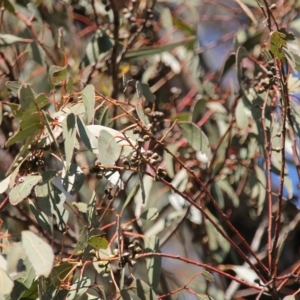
[
  {"x": 142, "y": 116},
  {"x": 100, "y": 44},
  {"x": 6, "y": 284},
  {"x": 23, "y": 281},
  {"x": 143, "y": 290},
  {"x": 150, "y": 215},
  {"x": 198, "y": 110},
  {"x": 217, "y": 244},
  {"x": 40, "y": 217},
  {"x": 88, "y": 97},
  {"x": 69, "y": 134},
  {"x": 51, "y": 201},
  {"x": 242, "y": 53},
  {"x": 83, "y": 239},
  {"x": 102, "y": 116},
  {"x": 89, "y": 140},
  {"x": 39, "y": 253},
  {"x": 109, "y": 149},
  {"x": 73, "y": 179},
  {"x": 228, "y": 189},
  {"x": 4, "y": 184},
  {"x": 69, "y": 85},
  {"x": 92, "y": 215},
  {"x": 58, "y": 74},
  {"x": 241, "y": 116},
  {"x": 153, "y": 264},
  {"x": 196, "y": 138},
  {"x": 148, "y": 51},
  {"x": 22, "y": 190}
]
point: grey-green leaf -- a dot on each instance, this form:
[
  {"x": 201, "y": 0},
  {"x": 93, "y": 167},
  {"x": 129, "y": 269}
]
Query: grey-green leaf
[
  {"x": 73, "y": 180},
  {"x": 6, "y": 284},
  {"x": 109, "y": 149},
  {"x": 153, "y": 263},
  {"x": 150, "y": 215},
  {"x": 58, "y": 74},
  {"x": 88, "y": 97},
  {"x": 22, "y": 190},
  {"x": 196, "y": 138},
  {"x": 69, "y": 134},
  {"x": 40, "y": 254}
]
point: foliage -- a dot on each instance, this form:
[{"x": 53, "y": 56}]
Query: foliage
[{"x": 131, "y": 168}]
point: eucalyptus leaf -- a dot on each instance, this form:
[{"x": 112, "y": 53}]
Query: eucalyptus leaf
[
  {"x": 109, "y": 149},
  {"x": 23, "y": 190},
  {"x": 150, "y": 215},
  {"x": 6, "y": 284},
  {"x": 69, "y": 134},
  {"x": 88, "y": 97},
  {"x": 153, "y": 263},
  {"x": 196, "y": 138},
  {"x": 73, "y": 179},
  {"x": 39, "y": 253},
  {"x": 40, "y": 217},
  {"x": 9, "y": 39},
  {"x": 98, "y": 242},
  {"x": 58, "y": 74}
]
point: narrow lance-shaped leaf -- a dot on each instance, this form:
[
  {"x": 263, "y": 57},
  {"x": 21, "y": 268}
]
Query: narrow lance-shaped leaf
[
  {"x": 69, "y": 134},
  {"x": 88, "y": 97},
  {"x": 9, "y": 39},
  {"x": 153, "y": 264},
  {"x": 73, "y": 179}
]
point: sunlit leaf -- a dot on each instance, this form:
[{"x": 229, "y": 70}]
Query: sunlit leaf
[
  {"x": 9, "y": 39},
  {"x": 196, "y": 138},
  {"x": 73, "y": 179},
  {"x": 88, "y": 97},
  {"x": 109, "y": 149},
  {"x": 23, "y": 281},
  {"x": 40, "y": 217},
  {"x": 150, "y": 215},
  {"x": 23, "y": 190},
  {"x": 100, "y": 44},
  {"x": 277, "y": 42},
  {"x": 98, "y": 242},
  {"x": 58, "y": 74},
  {"x": 39, "y": 253},
  {"x": 4, "y": 184},
  {"x": 51, "y": 201},
  {"x": 208, "y": 276},
  {"x": 6, "y": 284}
]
